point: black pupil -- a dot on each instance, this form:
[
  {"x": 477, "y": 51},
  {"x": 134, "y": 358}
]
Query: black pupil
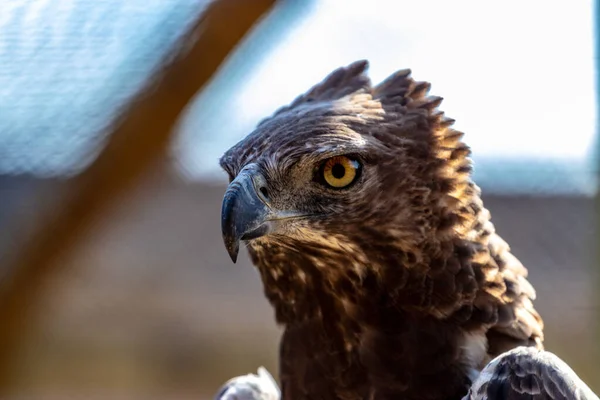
[{"x": 338, "y": 171}]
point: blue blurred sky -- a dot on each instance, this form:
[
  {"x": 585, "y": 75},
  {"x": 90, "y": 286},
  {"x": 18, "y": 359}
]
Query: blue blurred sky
[
  {"x": 518, "y": 76},
  {"x": 67, "y": 67}
]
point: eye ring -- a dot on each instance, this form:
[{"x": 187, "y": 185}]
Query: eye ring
[{"x": 339, "y": 172}]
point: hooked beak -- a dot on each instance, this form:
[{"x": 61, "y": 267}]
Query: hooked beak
[{"x": 244, "y": 213}]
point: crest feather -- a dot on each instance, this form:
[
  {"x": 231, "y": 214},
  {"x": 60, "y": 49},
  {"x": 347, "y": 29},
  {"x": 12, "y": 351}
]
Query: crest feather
[{"x": 339, "y": 83}]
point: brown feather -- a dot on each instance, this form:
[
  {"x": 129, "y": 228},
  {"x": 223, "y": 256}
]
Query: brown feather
[{"x": 398, "y": 287}]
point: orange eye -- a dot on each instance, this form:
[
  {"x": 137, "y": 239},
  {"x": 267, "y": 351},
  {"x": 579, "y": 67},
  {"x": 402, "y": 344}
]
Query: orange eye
[{"x": 339, "y": 172}]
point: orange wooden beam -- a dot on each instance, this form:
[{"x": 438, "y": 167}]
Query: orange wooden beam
[{"x": 140, "y": 136}]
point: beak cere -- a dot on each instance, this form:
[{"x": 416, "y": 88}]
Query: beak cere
[{"x": 243, "y": 214}]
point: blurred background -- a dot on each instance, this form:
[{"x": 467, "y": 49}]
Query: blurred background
[{"x": 144, "y": 302}]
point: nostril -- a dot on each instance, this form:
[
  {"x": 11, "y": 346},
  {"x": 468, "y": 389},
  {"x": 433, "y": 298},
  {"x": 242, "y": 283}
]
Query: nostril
[{"x": 263, "y": 190}]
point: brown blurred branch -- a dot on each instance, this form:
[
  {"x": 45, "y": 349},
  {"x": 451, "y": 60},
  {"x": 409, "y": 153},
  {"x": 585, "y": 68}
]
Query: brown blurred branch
[{"x": 139, "y": 138}]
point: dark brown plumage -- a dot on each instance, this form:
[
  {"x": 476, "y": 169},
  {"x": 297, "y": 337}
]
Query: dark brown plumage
[
  {"x": 395, "y": 286},
  {"x": 531, "y": 374}
]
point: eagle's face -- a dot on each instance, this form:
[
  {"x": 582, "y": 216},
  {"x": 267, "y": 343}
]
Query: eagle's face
[{"x": 327, "y": 174}]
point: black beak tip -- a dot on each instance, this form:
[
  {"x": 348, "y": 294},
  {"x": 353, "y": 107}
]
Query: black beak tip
[
  {"x": 232, "y": 242},
  {"x": 233, "y": 249}
]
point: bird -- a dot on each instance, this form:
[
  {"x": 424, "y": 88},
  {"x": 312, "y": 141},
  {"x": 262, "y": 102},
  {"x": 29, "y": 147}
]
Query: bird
[
  {"x": 357, "y": 206},
  {"x": 522, "y": 373}
]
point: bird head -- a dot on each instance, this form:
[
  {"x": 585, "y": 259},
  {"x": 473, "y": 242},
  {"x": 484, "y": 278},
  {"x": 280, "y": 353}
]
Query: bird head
[{"x": 344, "y": 167}]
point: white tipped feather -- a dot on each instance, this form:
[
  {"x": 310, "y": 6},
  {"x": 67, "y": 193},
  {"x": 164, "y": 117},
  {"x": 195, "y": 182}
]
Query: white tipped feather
[
  {"x": 250, "y": 387},
  {"x": 529, "y": 373}
]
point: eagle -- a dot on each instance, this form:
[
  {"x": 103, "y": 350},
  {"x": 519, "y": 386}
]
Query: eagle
[{"x": 357, "y": 207}]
